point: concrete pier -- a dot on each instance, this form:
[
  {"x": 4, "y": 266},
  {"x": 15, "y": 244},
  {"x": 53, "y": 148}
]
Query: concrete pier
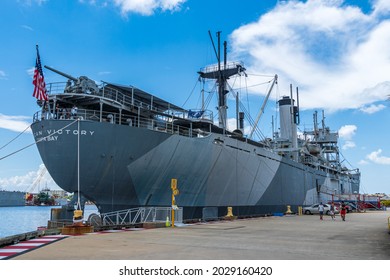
[{"x": 363, "y": 236}]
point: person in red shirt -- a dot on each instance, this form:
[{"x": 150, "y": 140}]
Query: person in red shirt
[{"x": 343, "y": 210}]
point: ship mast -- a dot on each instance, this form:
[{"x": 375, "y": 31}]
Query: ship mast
[{"x": 221, "y": 73}]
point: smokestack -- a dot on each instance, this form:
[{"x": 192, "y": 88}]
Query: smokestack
[{"x": 285, "y": 117}]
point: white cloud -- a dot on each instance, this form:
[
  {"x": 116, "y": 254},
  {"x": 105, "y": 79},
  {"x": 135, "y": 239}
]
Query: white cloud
[
  {"x": 30, "y": 72},
  {"x": 97, "y": 3},
  {"x": 371, "y": 109},
  {"x": 18, "y": 183},
  {"x": 348, "y": 145},
  {"x": 15, "y": 123},
  {"x": 232, "y": 125},
  {"x": 363, "y": 162},
  {"x": 103, "y": 73},
  {"x": 30, "y": 182},
  {"x": 31, "y": 2},
  {"x": 147, "y": 7},
  {"x": 346, "y": 132},
  {"x": 381, "y": 7},
  {"x": 376, "y": 157},
  {"x": 27, "y": 27},
  {"x": 3, "y": 76},
  {"x": 336, "y": 54}
]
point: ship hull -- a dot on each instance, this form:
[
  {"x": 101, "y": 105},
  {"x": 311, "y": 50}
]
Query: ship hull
[
  {"x": 8, "y": 198},
  {"x": 123, "y": 167}
]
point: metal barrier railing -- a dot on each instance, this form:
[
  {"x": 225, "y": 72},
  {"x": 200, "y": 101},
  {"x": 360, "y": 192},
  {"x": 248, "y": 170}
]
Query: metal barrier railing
[
  {"x": 141, "y": 215},
  {"x": 161, "y": 124}
]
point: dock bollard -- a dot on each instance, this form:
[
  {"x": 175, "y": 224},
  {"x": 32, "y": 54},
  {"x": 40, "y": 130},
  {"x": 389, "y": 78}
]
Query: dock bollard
[
  {"x": 229, "y": 212},
  {"x": 167, "y": 222},
  {"x": 229, "y": 215},
  {"x": 78, "y": 217},
  {"x": 288, "y": 212}
]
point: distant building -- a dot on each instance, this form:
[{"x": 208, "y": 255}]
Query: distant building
[{"x": 57, "y": 193}]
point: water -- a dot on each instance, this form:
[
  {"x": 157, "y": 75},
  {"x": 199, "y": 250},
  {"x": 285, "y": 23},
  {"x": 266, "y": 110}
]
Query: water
[{"x": 17, "y": 220}]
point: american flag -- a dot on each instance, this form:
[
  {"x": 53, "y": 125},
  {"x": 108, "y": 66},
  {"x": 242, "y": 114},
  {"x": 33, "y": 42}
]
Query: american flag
[{"x": 39, "y": 81}]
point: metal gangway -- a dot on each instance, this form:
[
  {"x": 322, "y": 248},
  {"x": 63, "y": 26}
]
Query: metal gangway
[{"x": 141, "y": 215}]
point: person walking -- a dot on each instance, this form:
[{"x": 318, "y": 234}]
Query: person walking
[
  {"x": 343, "y": 211},
  {"x": 321, "y": 210},
  {"x": 332, "y": 214}
]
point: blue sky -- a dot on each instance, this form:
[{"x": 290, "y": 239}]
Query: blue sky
[{"x": 336, "y": 52}]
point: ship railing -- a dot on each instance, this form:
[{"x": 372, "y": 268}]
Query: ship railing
[
  {"x": 106, "y": 92},
  {"x": 309, "y": 160},
  {"x": 229, "y": 65},
  {"x": 160, "y": 123},
  {"x": 141, "y": 215},
  {"x": 130, "y": 101},
  {"x": 55, "y": 88},
  {"x": 125, "y": 100}
]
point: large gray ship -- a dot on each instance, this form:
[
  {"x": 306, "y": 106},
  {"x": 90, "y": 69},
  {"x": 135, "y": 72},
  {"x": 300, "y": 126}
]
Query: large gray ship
[
  {"x": 119, "y": 147},
  {"x": 12, "y": 198}
]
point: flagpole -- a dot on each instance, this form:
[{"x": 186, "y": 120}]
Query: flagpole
[
  {"x": 78, "y": 213},
  {"x": 78, "y": 165}
]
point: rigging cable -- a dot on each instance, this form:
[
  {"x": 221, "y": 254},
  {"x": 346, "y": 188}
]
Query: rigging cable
[
  {"x": 251, "y": 122},
  {"x": 247, "y": 95},
  {"x": 40, "y": 140},
  {"x": 192, "y": 91},
  {"x": 347, "y": 160},
  {"x": 277, "y": 97},
  {"x": 210, "y": 96},
  {"x": 260, "y": 75},
  {"x": 15, "y": 137},
  {"x": 257, "y": 131},
  {"x": 255, "y": 85}
]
